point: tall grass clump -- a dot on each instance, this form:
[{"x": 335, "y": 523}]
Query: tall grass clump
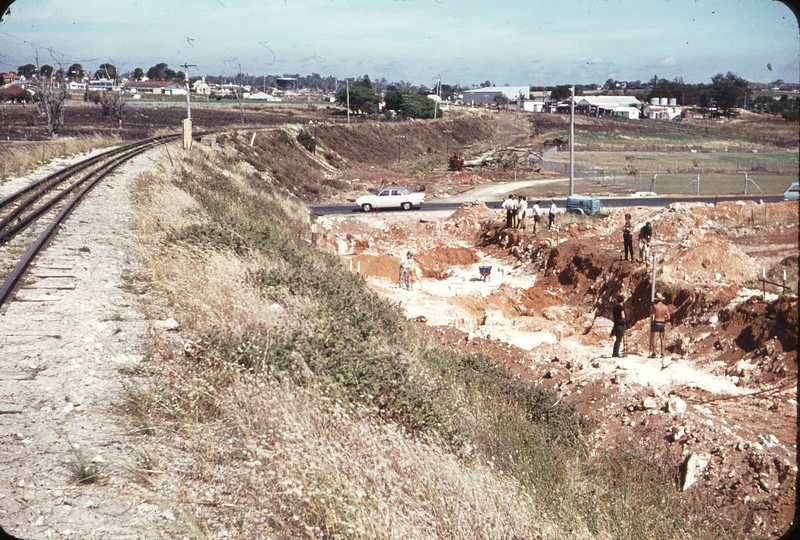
[
  {"x": 301, "y": 404},
  {"x": 18, "y": 157}
]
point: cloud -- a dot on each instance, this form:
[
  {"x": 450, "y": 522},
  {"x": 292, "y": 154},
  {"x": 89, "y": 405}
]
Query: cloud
[
  {"x": 668, "y": 62},
  {"x": 596, "y": 60}
]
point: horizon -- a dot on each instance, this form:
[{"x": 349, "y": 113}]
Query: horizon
[{"x": 581, "y": 43}]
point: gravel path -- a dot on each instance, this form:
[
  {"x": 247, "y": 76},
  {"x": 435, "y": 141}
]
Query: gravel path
[{"x": 64, "y": 342}]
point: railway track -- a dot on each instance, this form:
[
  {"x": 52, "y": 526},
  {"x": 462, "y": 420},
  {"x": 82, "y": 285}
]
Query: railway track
[{"x": 31, "y": 216}]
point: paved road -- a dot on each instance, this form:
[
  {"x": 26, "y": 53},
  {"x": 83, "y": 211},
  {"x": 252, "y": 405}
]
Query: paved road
[{"x": 607, "y": 202}]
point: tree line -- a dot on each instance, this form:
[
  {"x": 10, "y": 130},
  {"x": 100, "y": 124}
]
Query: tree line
[{"x": 725, "y": 93}]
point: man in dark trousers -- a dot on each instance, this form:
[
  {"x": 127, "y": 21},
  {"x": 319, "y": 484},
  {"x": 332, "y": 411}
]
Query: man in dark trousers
[
  {"x": 620, "y": 320},
  {"x": 627, "y": 237},
  {"x": 510, "y": 206}
]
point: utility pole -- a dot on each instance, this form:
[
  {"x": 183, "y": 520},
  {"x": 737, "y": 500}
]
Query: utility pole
[
  {"x": 187, "y": 124},
  {"x": 572, "y": 142},
  {"x": 347, "y": 82},
  {"x": 438, "y": 95}
]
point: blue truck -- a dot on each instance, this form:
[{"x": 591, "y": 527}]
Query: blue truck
[{"x": 583, "y": 205}]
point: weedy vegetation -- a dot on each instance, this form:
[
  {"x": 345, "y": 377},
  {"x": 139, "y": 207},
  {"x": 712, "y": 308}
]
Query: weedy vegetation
[
  {"x": 18, "y": 157},
  {"x": 300, "y": 404}
]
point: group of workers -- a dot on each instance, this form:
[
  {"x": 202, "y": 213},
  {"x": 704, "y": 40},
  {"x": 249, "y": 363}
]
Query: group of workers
[
  {"x": 516, "y": 207},
  {"x": 659, "y": 314},
  {"x": 645, "y": 236}
]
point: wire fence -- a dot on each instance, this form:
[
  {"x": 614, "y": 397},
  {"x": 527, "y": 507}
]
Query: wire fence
[{"x": 734, "y": 179}]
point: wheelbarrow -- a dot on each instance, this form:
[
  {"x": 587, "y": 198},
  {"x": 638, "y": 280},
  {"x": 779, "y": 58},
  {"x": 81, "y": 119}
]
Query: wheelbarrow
[{"x": 485, "y": 270}]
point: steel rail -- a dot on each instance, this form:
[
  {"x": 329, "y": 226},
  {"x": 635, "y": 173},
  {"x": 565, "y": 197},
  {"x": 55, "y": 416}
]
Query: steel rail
[
  {"x": 91, "y": 180},
  {"x": 42, "y": 186},
  {"x": 9, "y": 232}
]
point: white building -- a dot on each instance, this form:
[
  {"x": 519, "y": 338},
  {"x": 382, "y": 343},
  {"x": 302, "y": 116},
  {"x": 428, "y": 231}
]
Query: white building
[
  {"x": 257, "y": 95},
  {"x": 485, "y": 96},
  {"x": 606, "y": 105},
  {"x": 533, "y": 106},
  {"x": 626, "y": 112}
]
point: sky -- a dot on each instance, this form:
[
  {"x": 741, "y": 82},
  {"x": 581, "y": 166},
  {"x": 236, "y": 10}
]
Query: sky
[{"x": 467, "y": 42}]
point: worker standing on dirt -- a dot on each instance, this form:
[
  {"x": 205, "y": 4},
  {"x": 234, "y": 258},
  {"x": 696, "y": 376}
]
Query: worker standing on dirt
[
  {"x": 522, "y": 206},
  {"x": 645, "y": 235},
  {"x": 537, "y": 216},
  {"x": 659, "y": 315},
  {"x": 620, "y": 320},
  {"x": 406, "y": 270},
  {"x": 510, "y": 206},
  {"x": 627, "y": 237},
  {"x": 551, "y": 216}
]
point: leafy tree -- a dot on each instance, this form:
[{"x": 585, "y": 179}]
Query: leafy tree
[
  {"x": 363, "y": 98},
  {"x": 727, "y": 91},
  {"x": 28, "y": 71},
  {"x": 776, "y": 107},
  {"x": 157, "y": 72},
  {"x": 448, "y": 92},
  {"x": 106, "y": 71},
  {"x": 501, "y": 100},
  {"x": 562, "y": 92},
  {"x": 363, "y": 82},
  {"x": 394, "y": 100},
  {"x": 704, "y": 101},
  {"x": 138, "y": 74},
  {"x": 411, "y": 105},
  {"x": 46, "y": 71},
  {"x": 761, "y": 103},
  {"x": 418, "y": 106},
  {"x": 75, "y": 72}
]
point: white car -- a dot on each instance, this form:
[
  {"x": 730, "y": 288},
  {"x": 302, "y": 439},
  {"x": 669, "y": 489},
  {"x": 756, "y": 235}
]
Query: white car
[
  {"x": 391, "y": 197},
  {"x": 792, "y": 192}
]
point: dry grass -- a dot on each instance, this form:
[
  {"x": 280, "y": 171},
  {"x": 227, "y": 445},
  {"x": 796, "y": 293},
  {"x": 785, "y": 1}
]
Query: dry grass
[
  {"x": 307, "y": 407},
  {"x": 17, "y": 157}
]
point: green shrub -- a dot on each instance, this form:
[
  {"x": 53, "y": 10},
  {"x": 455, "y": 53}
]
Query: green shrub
[{"x": 305, "y": 138}]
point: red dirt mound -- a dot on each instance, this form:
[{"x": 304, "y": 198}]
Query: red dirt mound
[{"x": 435, "y": 263}]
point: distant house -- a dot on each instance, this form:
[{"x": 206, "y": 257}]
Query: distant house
[
  {"x": 258, "y": 95},
  {"x": 626, "y": 112},
  {"x": 598, "y": 105},
  {"x": 14, "y": 92},
  {"x": 658, "y": 112},
  {"x": 101, "y": 86},
  {"x": 201, "y": 87},
  {"x": 533, "y": 106},
  {"x": 486, "y": 96},
  {"x": 11, "y": 77},
  {"x": 156, "y": 87},
  {"x": 76, "y": 85}
]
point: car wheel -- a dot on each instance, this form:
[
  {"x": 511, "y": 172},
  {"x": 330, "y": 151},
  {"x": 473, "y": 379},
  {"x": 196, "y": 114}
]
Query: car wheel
[
  {"x": 366, "y": 207},
  {"x": 578, "y": 212},
  {"x": 406, "y": 206}
]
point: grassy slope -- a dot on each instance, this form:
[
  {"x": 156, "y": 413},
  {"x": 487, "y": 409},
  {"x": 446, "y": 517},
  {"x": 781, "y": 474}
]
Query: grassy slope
[{"x": 299, "y": 404}]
